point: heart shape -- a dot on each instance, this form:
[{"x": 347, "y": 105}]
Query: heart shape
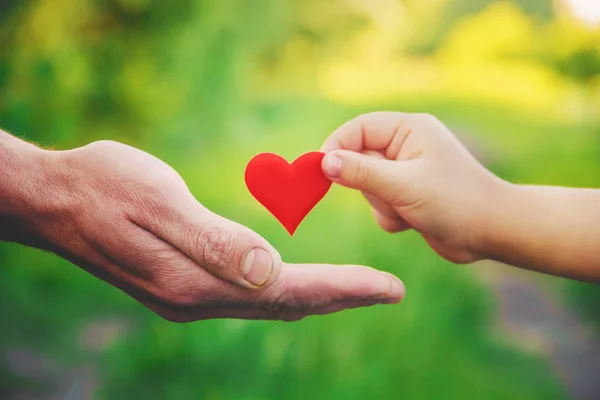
[{"x": 288, "y": 191}]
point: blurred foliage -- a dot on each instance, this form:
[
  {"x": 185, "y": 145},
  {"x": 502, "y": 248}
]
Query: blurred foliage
[{"x": 205, "y": 85}]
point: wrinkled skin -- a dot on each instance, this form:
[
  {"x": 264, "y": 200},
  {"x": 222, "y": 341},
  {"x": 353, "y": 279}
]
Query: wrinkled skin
[{"x": 130, "y": 220}]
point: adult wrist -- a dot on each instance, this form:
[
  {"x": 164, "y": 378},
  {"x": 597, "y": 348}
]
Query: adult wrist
[{"x": 22, "y": 188}]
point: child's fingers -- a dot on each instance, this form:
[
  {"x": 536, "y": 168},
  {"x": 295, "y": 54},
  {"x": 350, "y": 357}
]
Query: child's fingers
[
  {"x": 391, "y": 224},
  {"x": 375, "y": 131},
  {"x": 384, "y": 208},
  {"x": 381, "y": 178},
  {"x": 386, "y": 216}
]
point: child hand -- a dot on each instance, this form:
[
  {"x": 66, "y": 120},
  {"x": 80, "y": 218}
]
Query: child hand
[{"x": 415, "y": 174}]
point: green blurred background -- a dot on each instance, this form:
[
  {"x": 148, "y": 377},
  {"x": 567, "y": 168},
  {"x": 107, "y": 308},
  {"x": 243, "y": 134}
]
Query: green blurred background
[{"x": 206, "y": 85}]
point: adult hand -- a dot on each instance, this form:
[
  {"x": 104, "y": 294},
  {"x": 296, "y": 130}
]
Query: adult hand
[{"x": 129, "y": 219}]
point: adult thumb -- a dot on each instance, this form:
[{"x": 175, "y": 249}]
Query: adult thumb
[
  {"x": 235, "y": 253},
  {"x": 224, "y": 248},
  {"x": 374, "y": 175}
]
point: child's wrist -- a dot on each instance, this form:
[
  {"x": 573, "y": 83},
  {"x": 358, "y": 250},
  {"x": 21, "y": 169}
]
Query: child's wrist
[{"x": 492, "y": 231}]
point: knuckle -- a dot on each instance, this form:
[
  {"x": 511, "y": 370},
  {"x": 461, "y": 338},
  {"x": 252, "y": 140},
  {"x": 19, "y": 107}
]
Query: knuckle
[
  {"x": 277, "y": 309},
  {"x": 283, "y": 306},
  {"x": 388, "y": 227},
  {"x": 216, "y": 246},
  {"x": 280, "y": 310},
  {"x": 427, "y": 118},
  {"x": 362, "y": 118},
  {"x": 362, "y": 173}
]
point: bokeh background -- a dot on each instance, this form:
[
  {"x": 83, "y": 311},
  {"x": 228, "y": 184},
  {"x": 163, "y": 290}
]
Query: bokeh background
[{"x": 206, "y": 85}]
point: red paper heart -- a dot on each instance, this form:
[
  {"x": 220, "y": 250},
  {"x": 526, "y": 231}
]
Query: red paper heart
[{"x": 288, "y": 191}]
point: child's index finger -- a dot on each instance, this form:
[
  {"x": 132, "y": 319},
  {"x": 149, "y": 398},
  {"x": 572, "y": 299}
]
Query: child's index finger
[{"x": 373, "y": 131}]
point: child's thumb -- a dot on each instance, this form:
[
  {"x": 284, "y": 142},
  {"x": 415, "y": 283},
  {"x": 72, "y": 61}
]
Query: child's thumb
[{"x": 379, "y": 177}]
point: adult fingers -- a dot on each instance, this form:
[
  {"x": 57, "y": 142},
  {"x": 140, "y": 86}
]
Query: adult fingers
[
  {"x": 301, "y": 290},
  {"x": 224, "y": 248}
]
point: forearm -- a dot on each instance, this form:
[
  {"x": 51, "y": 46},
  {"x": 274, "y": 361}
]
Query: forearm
[
  {"x": 548, "y": 229},
  {"x": 21, "y": 173}
]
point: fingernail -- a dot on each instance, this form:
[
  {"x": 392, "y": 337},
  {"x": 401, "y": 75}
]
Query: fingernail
[
  {"x": 395, "y": 292},
  {"x": 332, "y": 165},
  {"x": 257, "y": 266}
]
